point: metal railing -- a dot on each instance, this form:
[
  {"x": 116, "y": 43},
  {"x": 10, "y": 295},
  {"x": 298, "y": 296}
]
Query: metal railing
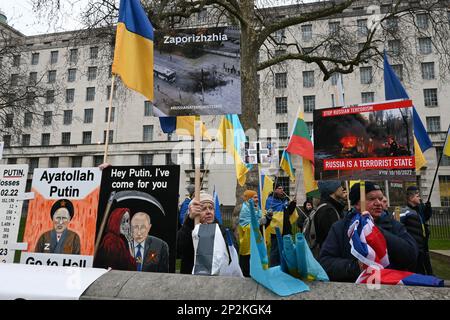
[{"x": 440, "y": 224}]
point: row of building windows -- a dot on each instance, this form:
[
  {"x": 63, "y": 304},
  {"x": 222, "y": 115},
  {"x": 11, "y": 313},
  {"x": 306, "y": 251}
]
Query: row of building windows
[
  {"x": 77, "y": 161},
  {"x": 421, "y": 21},
  {"x": 147, "y": 136},
  {"x": 366, "y": 75},
  {"x": 68, "y": 116},
  {"x": 309, "y": 104},
  {"x": 54, "y": 55}
]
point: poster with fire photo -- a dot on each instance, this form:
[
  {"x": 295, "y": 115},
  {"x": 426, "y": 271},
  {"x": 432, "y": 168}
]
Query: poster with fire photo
[{"x": 371, "y": 141}]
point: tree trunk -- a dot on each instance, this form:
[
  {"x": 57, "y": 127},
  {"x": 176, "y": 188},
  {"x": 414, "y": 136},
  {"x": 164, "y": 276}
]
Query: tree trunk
[{"x": 249, "y": 89}]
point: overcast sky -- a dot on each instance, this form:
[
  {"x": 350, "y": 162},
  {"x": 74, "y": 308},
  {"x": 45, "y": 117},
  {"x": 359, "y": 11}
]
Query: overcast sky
[{"x": 21, "y": 17}]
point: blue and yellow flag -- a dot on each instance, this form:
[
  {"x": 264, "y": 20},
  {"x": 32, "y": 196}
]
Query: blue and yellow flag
[
  {"x": 133, "y": 53},
  {"x": 231, "y": 135},
  {"x": 447, "y": 144},
  {"x": 286, "y": 165}
]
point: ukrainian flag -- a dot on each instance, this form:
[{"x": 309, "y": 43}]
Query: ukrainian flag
[
  {"x": 133, "y": 53},
  {"x": 447, "y": 144},
  {"x": 393, "y": 90},
  {"x": 286, "y": 165},
  {"x": 231, "y": 135}
]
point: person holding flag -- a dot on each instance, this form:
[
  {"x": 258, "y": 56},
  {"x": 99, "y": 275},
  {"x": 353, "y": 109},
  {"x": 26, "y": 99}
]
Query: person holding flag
[
  {"x": 339, "y": 253},
  {"x": 244, "y": 228},
  {"x": 279, "y": 207}
]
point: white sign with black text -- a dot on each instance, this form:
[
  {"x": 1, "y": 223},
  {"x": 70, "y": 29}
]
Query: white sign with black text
[{"x": 13, "y": 179}]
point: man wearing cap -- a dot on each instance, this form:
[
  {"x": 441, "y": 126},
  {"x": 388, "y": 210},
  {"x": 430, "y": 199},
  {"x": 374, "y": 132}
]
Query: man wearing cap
[
  {"x": 279, "y": 210},
  {"x": 335, "y": 255},
  {"x": 415, "y": 217},
  {"x": 198, "y": 212},
  {"x": 185, "y": 204},
  {"x": 331, "y": 209},
  {"x": 60, "y": 239}
]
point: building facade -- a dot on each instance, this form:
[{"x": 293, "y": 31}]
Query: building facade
[{"x": 76, "y": 68}]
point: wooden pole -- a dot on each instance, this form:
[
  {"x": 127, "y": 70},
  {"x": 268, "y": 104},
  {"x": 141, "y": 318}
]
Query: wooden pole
[
  {"x": 105, "y": 155},
  {"x": 386, "y": 187},
  {"x": 347, "y": 187},
  {"x": 261, "y": 193},
  {"x": 362, "y": 189},
  {"x": 197, "y": 159},
  {"x": 437, "y": 167}
]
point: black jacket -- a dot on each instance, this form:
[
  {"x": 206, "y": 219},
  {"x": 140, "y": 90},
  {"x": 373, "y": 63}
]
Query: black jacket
[
  {"x": 326, "y": 216},
  {"x": 341, "y": 265},
  {"x": 185, "y": 246},
  {"x": 425, "y": 212},
  {"x": 287, "y": 229}
]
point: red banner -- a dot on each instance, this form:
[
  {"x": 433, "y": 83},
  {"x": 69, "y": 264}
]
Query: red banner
[
  {"x": 370, "y": 163},
  {"x": 367, "y": 108}
]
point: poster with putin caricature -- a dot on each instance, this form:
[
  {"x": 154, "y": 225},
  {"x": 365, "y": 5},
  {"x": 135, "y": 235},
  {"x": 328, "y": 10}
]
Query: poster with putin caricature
[
  {"x": 61, "y": 220},
  {"x": 137, "y": 218}
]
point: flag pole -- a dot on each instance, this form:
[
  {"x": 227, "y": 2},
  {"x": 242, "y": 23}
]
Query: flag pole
[
  {"x": 197, "y": 159},
  {"x": 347, "y": 187},
  {"x": 362, "y": 189},
  {"x": 438, "y": 164},
  {"x": 261, "y": 193},
  {"x": 105, "y": 155}
]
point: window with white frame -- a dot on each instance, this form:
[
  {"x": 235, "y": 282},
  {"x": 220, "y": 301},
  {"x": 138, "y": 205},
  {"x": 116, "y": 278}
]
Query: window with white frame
[
  {"x": 425, "y": 45},
  {"x": 48, "y": 118},
  {"x": 92, "y": 73},
  {"x": 52, "y": 76},
  {"x": 113, "y": 111},
  {"x": 28, "y": 119},
  {"x": 88, "y": 115},
  {"x": 366, "y": 75},
  {"x": 67, "y": 117},
  {"x": 280, "y": 80},
  {"x": 308, "y": 79},
  {"x": 25, "y": 140},
  {"x": 70, "y": 95},
  {"x": 309, "y": 103},
  {"x": 147, "y": 133},
  {"x": 65, "y": 138},
  {"x": 35, "y": 58},
  {"x": 282, "y": 129},
  {"x": 433, "y": 124},
  {"x": 45, "y": 139},
  {"x": 87, "y": 137},
  {"x": 422, "y": 20},
  {"x": 93, "y": 53},
  {"x": 148, "y": 109},
  {"x": 306, "y": 32},
  {"x": 146, "y": 159},
  {"x": 73, "y": 56},
  {"x": 398, "y": 69},
  {"x": 367, "y": 97},
  {"x": 430, "y": 97},
  {"x": 53, "y": 57},
  {"x": 428, "y": 70},
  {"x": 71, "y": 75},
  {"x": 281, "y": 105},
  {"x": 90, "y": 94},
  {"x": 362, "y": 27}
]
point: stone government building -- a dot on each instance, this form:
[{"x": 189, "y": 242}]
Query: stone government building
[{"x": 75, "y": 69}]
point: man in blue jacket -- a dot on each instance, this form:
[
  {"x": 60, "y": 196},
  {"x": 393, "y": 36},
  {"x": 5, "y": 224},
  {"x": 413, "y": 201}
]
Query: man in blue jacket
[{"x": 335, "y": 255}]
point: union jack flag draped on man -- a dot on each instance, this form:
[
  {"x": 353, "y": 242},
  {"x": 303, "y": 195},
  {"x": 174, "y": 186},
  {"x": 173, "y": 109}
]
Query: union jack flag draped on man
[{"x": 368, "y": 245}]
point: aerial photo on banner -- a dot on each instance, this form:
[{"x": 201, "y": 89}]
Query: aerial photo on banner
[
  {"x": 197, "y": 72},
  {"x": 60, "y": 225},
  {"x": 371, "y": 141}
]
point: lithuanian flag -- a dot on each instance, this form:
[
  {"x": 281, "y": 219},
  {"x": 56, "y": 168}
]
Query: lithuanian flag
[{"x": 300, "y": 142}]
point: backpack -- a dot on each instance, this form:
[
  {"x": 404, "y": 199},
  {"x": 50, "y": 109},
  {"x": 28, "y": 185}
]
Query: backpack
[{"x": 309, "y": 230}]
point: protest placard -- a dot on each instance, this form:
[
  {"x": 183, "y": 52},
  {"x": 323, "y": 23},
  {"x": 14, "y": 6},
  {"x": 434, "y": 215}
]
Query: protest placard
[
  {"x": 61, "y": 220},
  {"x": 371, "y": 141},
  {"x": 197, "y": 72},
  {"x": 138, "y": 207},
  {"x": 13, "y": 179}
]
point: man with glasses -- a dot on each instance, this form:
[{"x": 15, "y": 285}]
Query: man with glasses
[
  {"x": 151, "y": 253},
  {"x": 60, "y": 239},
  {"x": 199, "y": 212}
]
